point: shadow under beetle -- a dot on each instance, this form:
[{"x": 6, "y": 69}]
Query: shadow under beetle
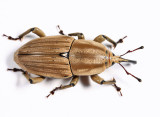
[{"x": 62, "y": 56}]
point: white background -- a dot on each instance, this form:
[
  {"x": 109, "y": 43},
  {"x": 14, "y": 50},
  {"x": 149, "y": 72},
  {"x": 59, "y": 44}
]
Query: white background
[{"x": 138, "y": 19}]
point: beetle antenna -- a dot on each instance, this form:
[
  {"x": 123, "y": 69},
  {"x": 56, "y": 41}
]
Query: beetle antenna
[
  {"x": 132, "y": 50},
  {"x": 130, "y": 74}
]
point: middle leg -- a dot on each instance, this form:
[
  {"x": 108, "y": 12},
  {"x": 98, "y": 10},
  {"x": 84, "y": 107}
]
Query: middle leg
[
  {"x": 79, "y": 35},
  {"x": 72, "y": 84}
]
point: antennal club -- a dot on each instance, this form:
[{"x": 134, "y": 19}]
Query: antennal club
[
  {"x": 130, "y": 74},
  {"x": 129, "y": 51}
]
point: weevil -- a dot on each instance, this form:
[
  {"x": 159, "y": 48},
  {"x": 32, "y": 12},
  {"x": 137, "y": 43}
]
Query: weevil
[{"x": 63, "y": 56}]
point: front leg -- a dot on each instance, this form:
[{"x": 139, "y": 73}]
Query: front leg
[
  {"x": 102, "y": 38},
  {"x": 101, "y": 81},
  {"x": 72, "y": 84}
]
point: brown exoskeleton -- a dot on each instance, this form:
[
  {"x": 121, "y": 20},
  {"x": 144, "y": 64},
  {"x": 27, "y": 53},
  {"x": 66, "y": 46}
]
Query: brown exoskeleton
[{"x": 64, "y": 57}]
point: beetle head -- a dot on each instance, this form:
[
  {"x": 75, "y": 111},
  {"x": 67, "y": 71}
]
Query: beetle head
[{"x": 119, "y": 59}]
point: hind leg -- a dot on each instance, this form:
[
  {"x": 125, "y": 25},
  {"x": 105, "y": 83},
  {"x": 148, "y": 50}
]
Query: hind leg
[
  {"x": 35, "y": 30},
  {"x": 72, "y": 84},
  {"x": 28, "y": 77}
]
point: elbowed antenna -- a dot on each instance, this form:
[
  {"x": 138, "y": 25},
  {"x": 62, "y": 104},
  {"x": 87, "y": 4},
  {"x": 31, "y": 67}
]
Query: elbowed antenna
[
  {"x": 131, "y": 61},
  {"x": 129, "y": 51},
  {"x": 130, "y": 73},
  {"x": 120, "y": 59}
]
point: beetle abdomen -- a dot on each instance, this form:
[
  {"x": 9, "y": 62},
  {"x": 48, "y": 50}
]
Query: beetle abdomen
[
  {"x": 87, "y": 57},
  {"x": 42, "y": 56}
]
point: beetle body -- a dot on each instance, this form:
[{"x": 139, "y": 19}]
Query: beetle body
[{"x": 64, "y": 57}]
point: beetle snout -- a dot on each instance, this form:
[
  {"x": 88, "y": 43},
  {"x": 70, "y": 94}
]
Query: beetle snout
[{"x": 126, "y": 60}]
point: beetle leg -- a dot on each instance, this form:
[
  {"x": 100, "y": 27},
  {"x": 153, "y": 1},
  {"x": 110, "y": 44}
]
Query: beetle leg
[
  {"x": 79, "y": 35},
  {"x": 72, "y": 84},
  {"x": 27, "y": 75},
  {"x": 102, "y": 38},
  {"x": 35, "y": 30},
  {"x": 33, "y": 80},
  {"x": 17, "y": 70},
  {"x": 60, "y": 31},
  {"x": 101, "y": 81}
]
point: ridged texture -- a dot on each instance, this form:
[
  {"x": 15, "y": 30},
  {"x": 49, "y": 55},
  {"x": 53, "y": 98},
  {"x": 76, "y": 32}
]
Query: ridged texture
[
  {"x": 41, "y": 56},
  {"x": 87, "y": 57}
]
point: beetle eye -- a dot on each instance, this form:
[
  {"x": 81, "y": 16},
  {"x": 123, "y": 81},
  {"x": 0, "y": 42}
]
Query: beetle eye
[
  {"x": 106, "y": 52},
  {"x": 113, "y": 63},
  {"x": 106, "y": 63}
]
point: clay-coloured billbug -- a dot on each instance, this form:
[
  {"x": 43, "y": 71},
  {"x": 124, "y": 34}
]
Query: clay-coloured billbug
[{"x": 64, "y": 57}]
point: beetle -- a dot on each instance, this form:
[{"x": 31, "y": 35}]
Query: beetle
[{"x": 64, "y": 57}]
